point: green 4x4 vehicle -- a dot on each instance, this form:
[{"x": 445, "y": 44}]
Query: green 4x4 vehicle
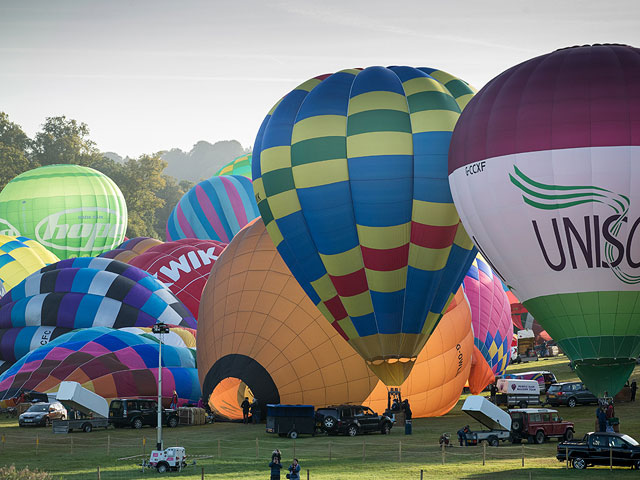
[{"x": 136, "y": 413}]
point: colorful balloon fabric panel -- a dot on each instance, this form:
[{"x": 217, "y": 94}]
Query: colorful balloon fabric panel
[
  {"x": 131, "y": 248},
  {"x": 490, "y": 313},
  {"x": 239, "y": 166},
  {"x": 19, "y": 258},
  {"x": 91, "y": 291},
  {"x": 112, "y": 363},
  {"x": 350, "y": 176},
  {"x": 555, "y": 140},
  {"x": 183, "y": 266},
  {"x": 16, "y": 342},
  {"x": 215, "y": 209},
  {"x": 69, "y": 209}
]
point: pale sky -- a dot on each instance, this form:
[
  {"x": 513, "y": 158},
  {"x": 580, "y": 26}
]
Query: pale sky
[{"x": 148, "y": 75}]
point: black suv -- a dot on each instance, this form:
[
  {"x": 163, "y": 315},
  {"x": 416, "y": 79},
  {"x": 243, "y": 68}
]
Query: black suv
[
  {"x": 137, "y": 413},
  {"x": 351, "y": 420},
  {"x": 569, "y": 394}
]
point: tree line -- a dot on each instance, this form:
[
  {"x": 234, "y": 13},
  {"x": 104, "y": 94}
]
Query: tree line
[{"x": 150, "y": 194}]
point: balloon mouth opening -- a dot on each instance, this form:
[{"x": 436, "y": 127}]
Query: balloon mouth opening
[{"x": 391, "y": 360}]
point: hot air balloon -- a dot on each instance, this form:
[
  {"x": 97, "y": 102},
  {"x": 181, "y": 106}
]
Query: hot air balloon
[
  {"x": 491, "y": 319},
  {"x": 257, "y": 327},
  {"x": 183, "y": 266},
  {"x": 434, "y": 385},
  {"x": 71, "y": 210},
  {"x": 214, "y": 209},
  {"x": 131, "y": 248},
  {"x": 349, "y": 172},
  {"x": 20, "y": 257},
  {"x": 542, "y": 170},
  {"x": 239, "y": 166},
  {"x": 87, "y": 292},
  {"x": 112, "y": 363}
]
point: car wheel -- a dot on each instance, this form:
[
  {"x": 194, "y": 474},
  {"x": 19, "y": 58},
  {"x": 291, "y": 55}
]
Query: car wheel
[
  {"x": 172, "y": 422},
  {"x": 137, "y": 423},
  {"x": 86, "y": 428},
  {"x": 329, "y": 422},
  {"x": 515, "y": 425},
  {"x": 162, "y": 467},
  {"x": 539, "y": 437},
  {"x": 386, "y": 429},
  {"x": 352, "y": 431},
  {"x": 522, "y": 404},
  {"x": 636, "y": 465},
  {"x": 293, "y": 434},
  {"x": 568, "y": 435},
  {"x": 493, "y": 441},
  {"x": 571, "y": 402},
  {"x": 579, "y": 463}
]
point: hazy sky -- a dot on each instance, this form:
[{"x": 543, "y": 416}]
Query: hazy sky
[{"x": 148, "y": 75}]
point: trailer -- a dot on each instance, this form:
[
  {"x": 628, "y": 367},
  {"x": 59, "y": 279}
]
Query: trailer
[
  {"x": 518, "y": 393},
  {"x": 489, "y": 415},
  {"x": 86, "y": 410}
]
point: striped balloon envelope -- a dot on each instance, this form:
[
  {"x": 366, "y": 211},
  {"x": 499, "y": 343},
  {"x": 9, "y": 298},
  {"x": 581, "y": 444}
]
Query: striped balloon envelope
[
  {"x": 86, "y": 292},
  {"x": 239, "y": 166},
  {"x": 131, "y": 248},
  {"x": 112, "y": 363},
  {"x": 350, "y": 176},
  {"x": 20, "y": 257},
  {"x": 214, "y": 209},
  {"x": 490, "y": 318}
]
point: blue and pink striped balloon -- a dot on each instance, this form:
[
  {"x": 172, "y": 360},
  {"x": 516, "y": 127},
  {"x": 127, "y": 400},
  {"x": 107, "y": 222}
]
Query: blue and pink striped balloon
[{"x": 214, "y": 209}]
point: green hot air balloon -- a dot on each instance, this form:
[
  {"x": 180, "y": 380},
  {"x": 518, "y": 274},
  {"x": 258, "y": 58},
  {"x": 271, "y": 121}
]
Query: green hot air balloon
[{"x": 73, "y": 211}]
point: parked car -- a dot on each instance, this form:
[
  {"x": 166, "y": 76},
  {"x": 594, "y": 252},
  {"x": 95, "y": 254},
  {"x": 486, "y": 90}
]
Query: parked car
[
  {"x": 42, "y": 414},
  {"x": 536, "y": 425},
  {"x": 290, "y": 420},
  {"x": 352, "y": 420},
  {"x": 136, "y": 413},
  {"x": 600, "y": 449},
  {"x": 570, "y": 394}
]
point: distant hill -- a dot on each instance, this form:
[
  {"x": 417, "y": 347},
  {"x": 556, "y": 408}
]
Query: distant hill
[
  {"x": 202, "y": 161},
  {"x": 113, "y": 156}
]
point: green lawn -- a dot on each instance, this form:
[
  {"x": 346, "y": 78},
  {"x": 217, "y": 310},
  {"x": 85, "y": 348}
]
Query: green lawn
[{"x": 243, "y": 451}]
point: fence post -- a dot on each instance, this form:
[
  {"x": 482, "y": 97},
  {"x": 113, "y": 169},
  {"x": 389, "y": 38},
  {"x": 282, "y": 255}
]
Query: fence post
[
  {"x": 443, "y": 454},
  {"x": 308, "y": 474},
  {"x": 144, "y": 442},
  {"x": 37, "y": 443},
  {"x": 71, "y": 450},
  {"x": 294, "y": 448},
  {"x": 566, "y": 455},
  {"x": 329, "y": 450},
  {"x": 202, "y": 473},
  {"x": 219, "y": 450},
  {"x": 400, "y": 450},
  {"x": 257, "y": 449},
  {"x": 523, "y": 455},
  {"x": 610, "y": 458},
  {"x": 108, "y": 443},
  {"x": 364, "y": 454},
  {"x": 484, "y": 452},
  {"x": 421, "y": 474},
  {"x": 98, "y": 473}
]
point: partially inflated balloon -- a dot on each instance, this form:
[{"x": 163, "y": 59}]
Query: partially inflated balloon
[
  {"x": 434, "y": 385},
  {"x": 19, "y": 258},
  {"x": 131, "y": 248},
  {"x": 491, "y": 315},
  {"x": 350, "y": 176},
  {"x": 239, "y": 166},
  {"x": 111, "y": 363},
  {"x": 544, "y": 171},
  {"x": 183, "y": 266},
  {"x": 72, "y": 210},
  {"x": 215, "y": 209}
]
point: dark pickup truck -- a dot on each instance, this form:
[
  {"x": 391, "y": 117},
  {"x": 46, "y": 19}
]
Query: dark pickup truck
[{"x": 601, "y": 448}]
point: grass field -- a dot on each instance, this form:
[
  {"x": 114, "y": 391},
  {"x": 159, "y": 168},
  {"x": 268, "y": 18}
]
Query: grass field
[{"x": 243, "y": 451}]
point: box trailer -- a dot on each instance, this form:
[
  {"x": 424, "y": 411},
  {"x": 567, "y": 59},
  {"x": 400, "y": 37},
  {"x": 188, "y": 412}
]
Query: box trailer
[
  {"x": 515, "y": 392},
  {"x": 489, "y": 415},
  {"x": 86, "y": 410}
]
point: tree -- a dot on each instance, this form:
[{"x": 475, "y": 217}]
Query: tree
[
  {"x": 64, "y": 141},
  {"x": 171, "y": 195},
  {"x": 12, "y": 135},
  {"x": 14, "y": 150}
]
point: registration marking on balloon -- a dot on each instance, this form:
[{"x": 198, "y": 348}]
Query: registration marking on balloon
[{"x": 563, "y": 208}]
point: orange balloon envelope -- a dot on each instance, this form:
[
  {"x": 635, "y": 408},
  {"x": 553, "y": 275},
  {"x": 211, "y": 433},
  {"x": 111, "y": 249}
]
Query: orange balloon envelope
[
  {"x": 481, "y": 373},
  {"x": 257, "y": 325},
  {"x": 434, "y": 385}
]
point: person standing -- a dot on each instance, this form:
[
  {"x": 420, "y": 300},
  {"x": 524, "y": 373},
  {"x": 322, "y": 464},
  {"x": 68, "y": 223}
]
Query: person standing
[
  {"x": 294, "y": 470},
  {"x": 408, "y": 423},
  {"x": 634, "y": 387},
  {"x": 494, "y": 390},
  {"x": 610, "y": 413},
  {"x": 275, "y": 467},
  {"x": 602, "y": 419},
  {"x": 174, "y": 401},
  {"x": 245, "y": 410},
  {"x": 255, "y": 411}
]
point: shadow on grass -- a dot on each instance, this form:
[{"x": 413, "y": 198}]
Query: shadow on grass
[{"x": 546, "y": 473}]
